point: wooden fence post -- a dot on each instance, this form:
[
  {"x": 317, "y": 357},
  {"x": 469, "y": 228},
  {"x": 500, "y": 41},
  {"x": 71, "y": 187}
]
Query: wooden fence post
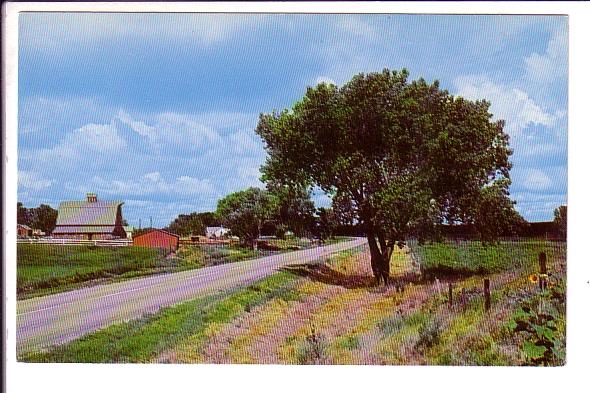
[
  {"x": 486, "y": 293},
  {"x": 450, "y": 294},
  {"x": 542, "y": 270}
]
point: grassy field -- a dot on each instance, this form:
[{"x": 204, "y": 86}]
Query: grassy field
[
  {"x": 43, "y": 268},
  {"x": 330, "y": 314},
  {"x": 473, "y": 257}
]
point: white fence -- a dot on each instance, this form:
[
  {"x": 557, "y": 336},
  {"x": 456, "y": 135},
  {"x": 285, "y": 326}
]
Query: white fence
[{"x": 100, "y": 243}]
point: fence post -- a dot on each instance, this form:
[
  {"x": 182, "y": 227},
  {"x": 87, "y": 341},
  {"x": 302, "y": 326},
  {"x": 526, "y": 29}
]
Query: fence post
[
  {"x": 542, "y": 270},
  {"x": 450, "y": 294},
  {"x": 486, "y": 293}
]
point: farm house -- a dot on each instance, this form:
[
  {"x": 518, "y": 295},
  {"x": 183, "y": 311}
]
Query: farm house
[
  {"x": 216, "y": 232},
  {"x": 90, "y": 219},
  {"x": 157, "y": 238}
]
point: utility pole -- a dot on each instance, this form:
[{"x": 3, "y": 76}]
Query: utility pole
[
  {"x": 140, "y": 223},
  {"x": 150, "y": 222}
]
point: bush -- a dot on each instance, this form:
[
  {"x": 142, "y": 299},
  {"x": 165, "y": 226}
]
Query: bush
[
  {"x": 429, "y": 334},
  {"x": 537, "y": 321},
  {"x": 313, "y": 349}
]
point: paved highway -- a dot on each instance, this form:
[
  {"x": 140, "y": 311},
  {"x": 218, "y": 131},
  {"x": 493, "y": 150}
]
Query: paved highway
[{"x": 57, "y": 319}]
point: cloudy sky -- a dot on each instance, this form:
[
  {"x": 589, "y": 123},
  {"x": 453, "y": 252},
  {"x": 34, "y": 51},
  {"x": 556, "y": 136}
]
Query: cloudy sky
[{"x": 158, "y": 110}]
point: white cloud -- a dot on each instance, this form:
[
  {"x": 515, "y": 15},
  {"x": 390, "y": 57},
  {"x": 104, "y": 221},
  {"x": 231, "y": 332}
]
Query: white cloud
[
  {"x": 31, "y": 181},
  {"x": 537, "y": 180},
  {"x": 39, "y": 114},
  {"x": 50, "y": 31},
  {"x": 191, "y": 159},
  {"x": 154, "y": 176},
  {"x": 552, "y": 64},
  {"x": 150, "y": 184},
  {"x": 99, "y": 138},
  {"x": 508, "y": 103},
  {"x": 83, "y": 149},
  {"x": 357, "y": 27},
  {"x": 138, "y": 126}
]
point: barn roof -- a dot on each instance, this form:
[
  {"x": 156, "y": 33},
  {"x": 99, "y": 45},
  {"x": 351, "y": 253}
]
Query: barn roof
[
  {"x": 87, "y": 213},
  {"x": 156, "y": 230}
]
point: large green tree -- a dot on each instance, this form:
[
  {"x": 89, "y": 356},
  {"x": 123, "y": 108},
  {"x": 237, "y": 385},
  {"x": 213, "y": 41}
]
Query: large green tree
[
  {"x": 295, "y": 209},
  {"x": 23, "y": 215},
  {"x": 244, "y": 212},
  {"x": 325, "y": 224},
  {"x": 399, "y": 154},
  {"x": 193, "y": 223},
  {"x": 42, "y": 217}
]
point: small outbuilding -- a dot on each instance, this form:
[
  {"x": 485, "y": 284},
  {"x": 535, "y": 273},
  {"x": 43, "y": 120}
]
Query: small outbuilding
[
  {"x": 23, "y": 230},
  {"x": 157, "y": 238}
]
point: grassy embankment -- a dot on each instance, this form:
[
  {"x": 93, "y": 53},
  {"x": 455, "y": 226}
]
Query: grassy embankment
[{"x": 329, "y": 313}]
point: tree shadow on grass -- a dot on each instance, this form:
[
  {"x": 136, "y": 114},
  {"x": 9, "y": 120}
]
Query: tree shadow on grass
[{"x": 326, "y": 275}]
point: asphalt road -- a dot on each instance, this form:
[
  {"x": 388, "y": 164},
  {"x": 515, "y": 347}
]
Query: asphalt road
[{"x": 56, "y": 319}]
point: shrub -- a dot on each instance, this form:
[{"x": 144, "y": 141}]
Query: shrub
[
  {"x": 313, "y": 349},
  {"x": 537, "y": 321},
  {"x": 429, "y": 334}
]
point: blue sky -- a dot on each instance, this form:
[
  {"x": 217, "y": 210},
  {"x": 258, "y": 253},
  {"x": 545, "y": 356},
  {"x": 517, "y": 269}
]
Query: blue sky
[{"x": 159, "y": 110}]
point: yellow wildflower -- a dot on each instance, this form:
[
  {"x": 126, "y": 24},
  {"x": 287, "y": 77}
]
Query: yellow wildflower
[{"x": 533, "y": 278}]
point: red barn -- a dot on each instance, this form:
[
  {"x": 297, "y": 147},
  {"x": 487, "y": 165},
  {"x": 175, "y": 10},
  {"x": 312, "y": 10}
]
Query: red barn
[{"x": 157, "y": 238}]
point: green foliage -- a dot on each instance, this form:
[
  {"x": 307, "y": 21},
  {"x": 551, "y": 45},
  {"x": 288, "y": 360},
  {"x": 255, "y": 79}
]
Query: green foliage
[
  {"x": 193, "y": 223},
  {"x": 475, "y": 257},
  {"x": 537, "y": 320},
  {"x": 295, "y": 210},
  {"x": 560, "y": 220},
  {"x": 349, "y": 342},
  {"x": 43, "y": 217},
  {"x": 23, "y": 215},
  {"x": 429, "y": 334},
  {"x": 397, "y": 153},
  {"x": 326, "y": 223},
  {"x": 494, "y": 213},
  {"x": 244, "y": 212}
]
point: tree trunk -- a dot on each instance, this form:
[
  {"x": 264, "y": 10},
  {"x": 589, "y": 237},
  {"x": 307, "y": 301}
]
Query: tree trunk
[{"x": 380, "y": 256}]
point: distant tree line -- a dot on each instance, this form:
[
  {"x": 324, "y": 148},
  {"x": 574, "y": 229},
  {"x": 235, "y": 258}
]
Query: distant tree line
[
  {"x": 253, "y": 212},
  {"x": 43, "y": 217},
  {"x": 193, "y": 223}
]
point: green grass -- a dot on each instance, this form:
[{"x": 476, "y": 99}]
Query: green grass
[
  {"x": 41, "y": 267},
  {"x": 210, "y": 255},
  {"x": 44, "y": 269},
  {"x": 336, "y": 239},
  {"x": 47, "y": 268},
  {"x": 465, "y": 258},
  {"x": 144, "y": 339}
]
